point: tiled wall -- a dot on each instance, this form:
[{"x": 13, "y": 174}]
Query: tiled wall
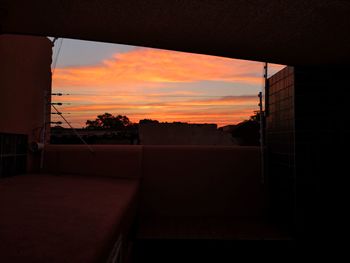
[
  {"x": 280, "y": 176},
  {"x": 307, "y": 139},
  {"x": 13, "y": 154}
]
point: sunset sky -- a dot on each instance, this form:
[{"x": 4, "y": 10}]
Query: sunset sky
[{"x": 154, "y": 84}]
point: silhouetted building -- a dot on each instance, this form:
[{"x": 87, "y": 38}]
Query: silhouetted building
[
  {"x": 183, "y": 134},
  {"x": 227, "y": 128}
]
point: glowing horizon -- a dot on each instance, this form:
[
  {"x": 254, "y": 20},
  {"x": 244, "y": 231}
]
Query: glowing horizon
[{"x": 159, "y": 84}]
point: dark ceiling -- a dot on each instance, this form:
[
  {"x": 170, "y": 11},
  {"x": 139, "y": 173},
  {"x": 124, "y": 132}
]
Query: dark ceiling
[{"x": 294, "y": 32}]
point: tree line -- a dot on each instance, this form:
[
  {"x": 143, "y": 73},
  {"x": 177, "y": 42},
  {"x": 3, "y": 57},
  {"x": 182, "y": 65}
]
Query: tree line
[{"x": 117, "y": 122}]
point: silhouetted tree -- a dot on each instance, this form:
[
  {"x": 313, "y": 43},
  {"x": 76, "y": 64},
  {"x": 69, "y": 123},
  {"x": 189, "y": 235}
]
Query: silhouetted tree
[
  {"x": 108, "y": 121},
  {"x": 248, "y": 131},
  {"x": 255, "y": 117},
  {"x": 144, "y": 121}
]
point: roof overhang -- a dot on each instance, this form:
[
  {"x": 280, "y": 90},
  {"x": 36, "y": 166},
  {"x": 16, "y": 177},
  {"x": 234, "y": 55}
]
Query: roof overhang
[{"x": 286, "y": 32}]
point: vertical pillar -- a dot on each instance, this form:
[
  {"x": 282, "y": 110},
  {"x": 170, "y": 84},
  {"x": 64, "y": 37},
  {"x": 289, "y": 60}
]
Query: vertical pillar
[{"x": 25, "y": 88}]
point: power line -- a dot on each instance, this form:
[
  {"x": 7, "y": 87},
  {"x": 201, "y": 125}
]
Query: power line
[
  {"x": 91, "y": 150},
  {"x": 150, "y": 95},
  {"x": 58, "y": 94},
  {"x": 60, "y": 103}
]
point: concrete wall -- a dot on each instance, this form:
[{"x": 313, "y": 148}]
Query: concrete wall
[
  {"x": 201, "y": 181},
  {"x": 121, "y": 161},
  {"x": 176, "y": 181},
  {"x": 24, "y": 83}
]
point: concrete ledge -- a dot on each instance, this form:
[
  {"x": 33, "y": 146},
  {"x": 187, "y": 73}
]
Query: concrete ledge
[{"x": 106, "y": 160}]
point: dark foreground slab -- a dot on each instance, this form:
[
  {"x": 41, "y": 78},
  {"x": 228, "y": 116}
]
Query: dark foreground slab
[
  {"x": 46, "y": 218},
  {"x": 210, "y": 250}
]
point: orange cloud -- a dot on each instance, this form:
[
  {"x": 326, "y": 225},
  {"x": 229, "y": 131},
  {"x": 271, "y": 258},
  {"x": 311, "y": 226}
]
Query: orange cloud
[
  {"x": 135, "y": 84},
  {"x": 117, "y": 98},
  {"x": 224, "y": 110},
  {"x": 156, "y": 66},
  {"x": 141, "y": 103}
]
